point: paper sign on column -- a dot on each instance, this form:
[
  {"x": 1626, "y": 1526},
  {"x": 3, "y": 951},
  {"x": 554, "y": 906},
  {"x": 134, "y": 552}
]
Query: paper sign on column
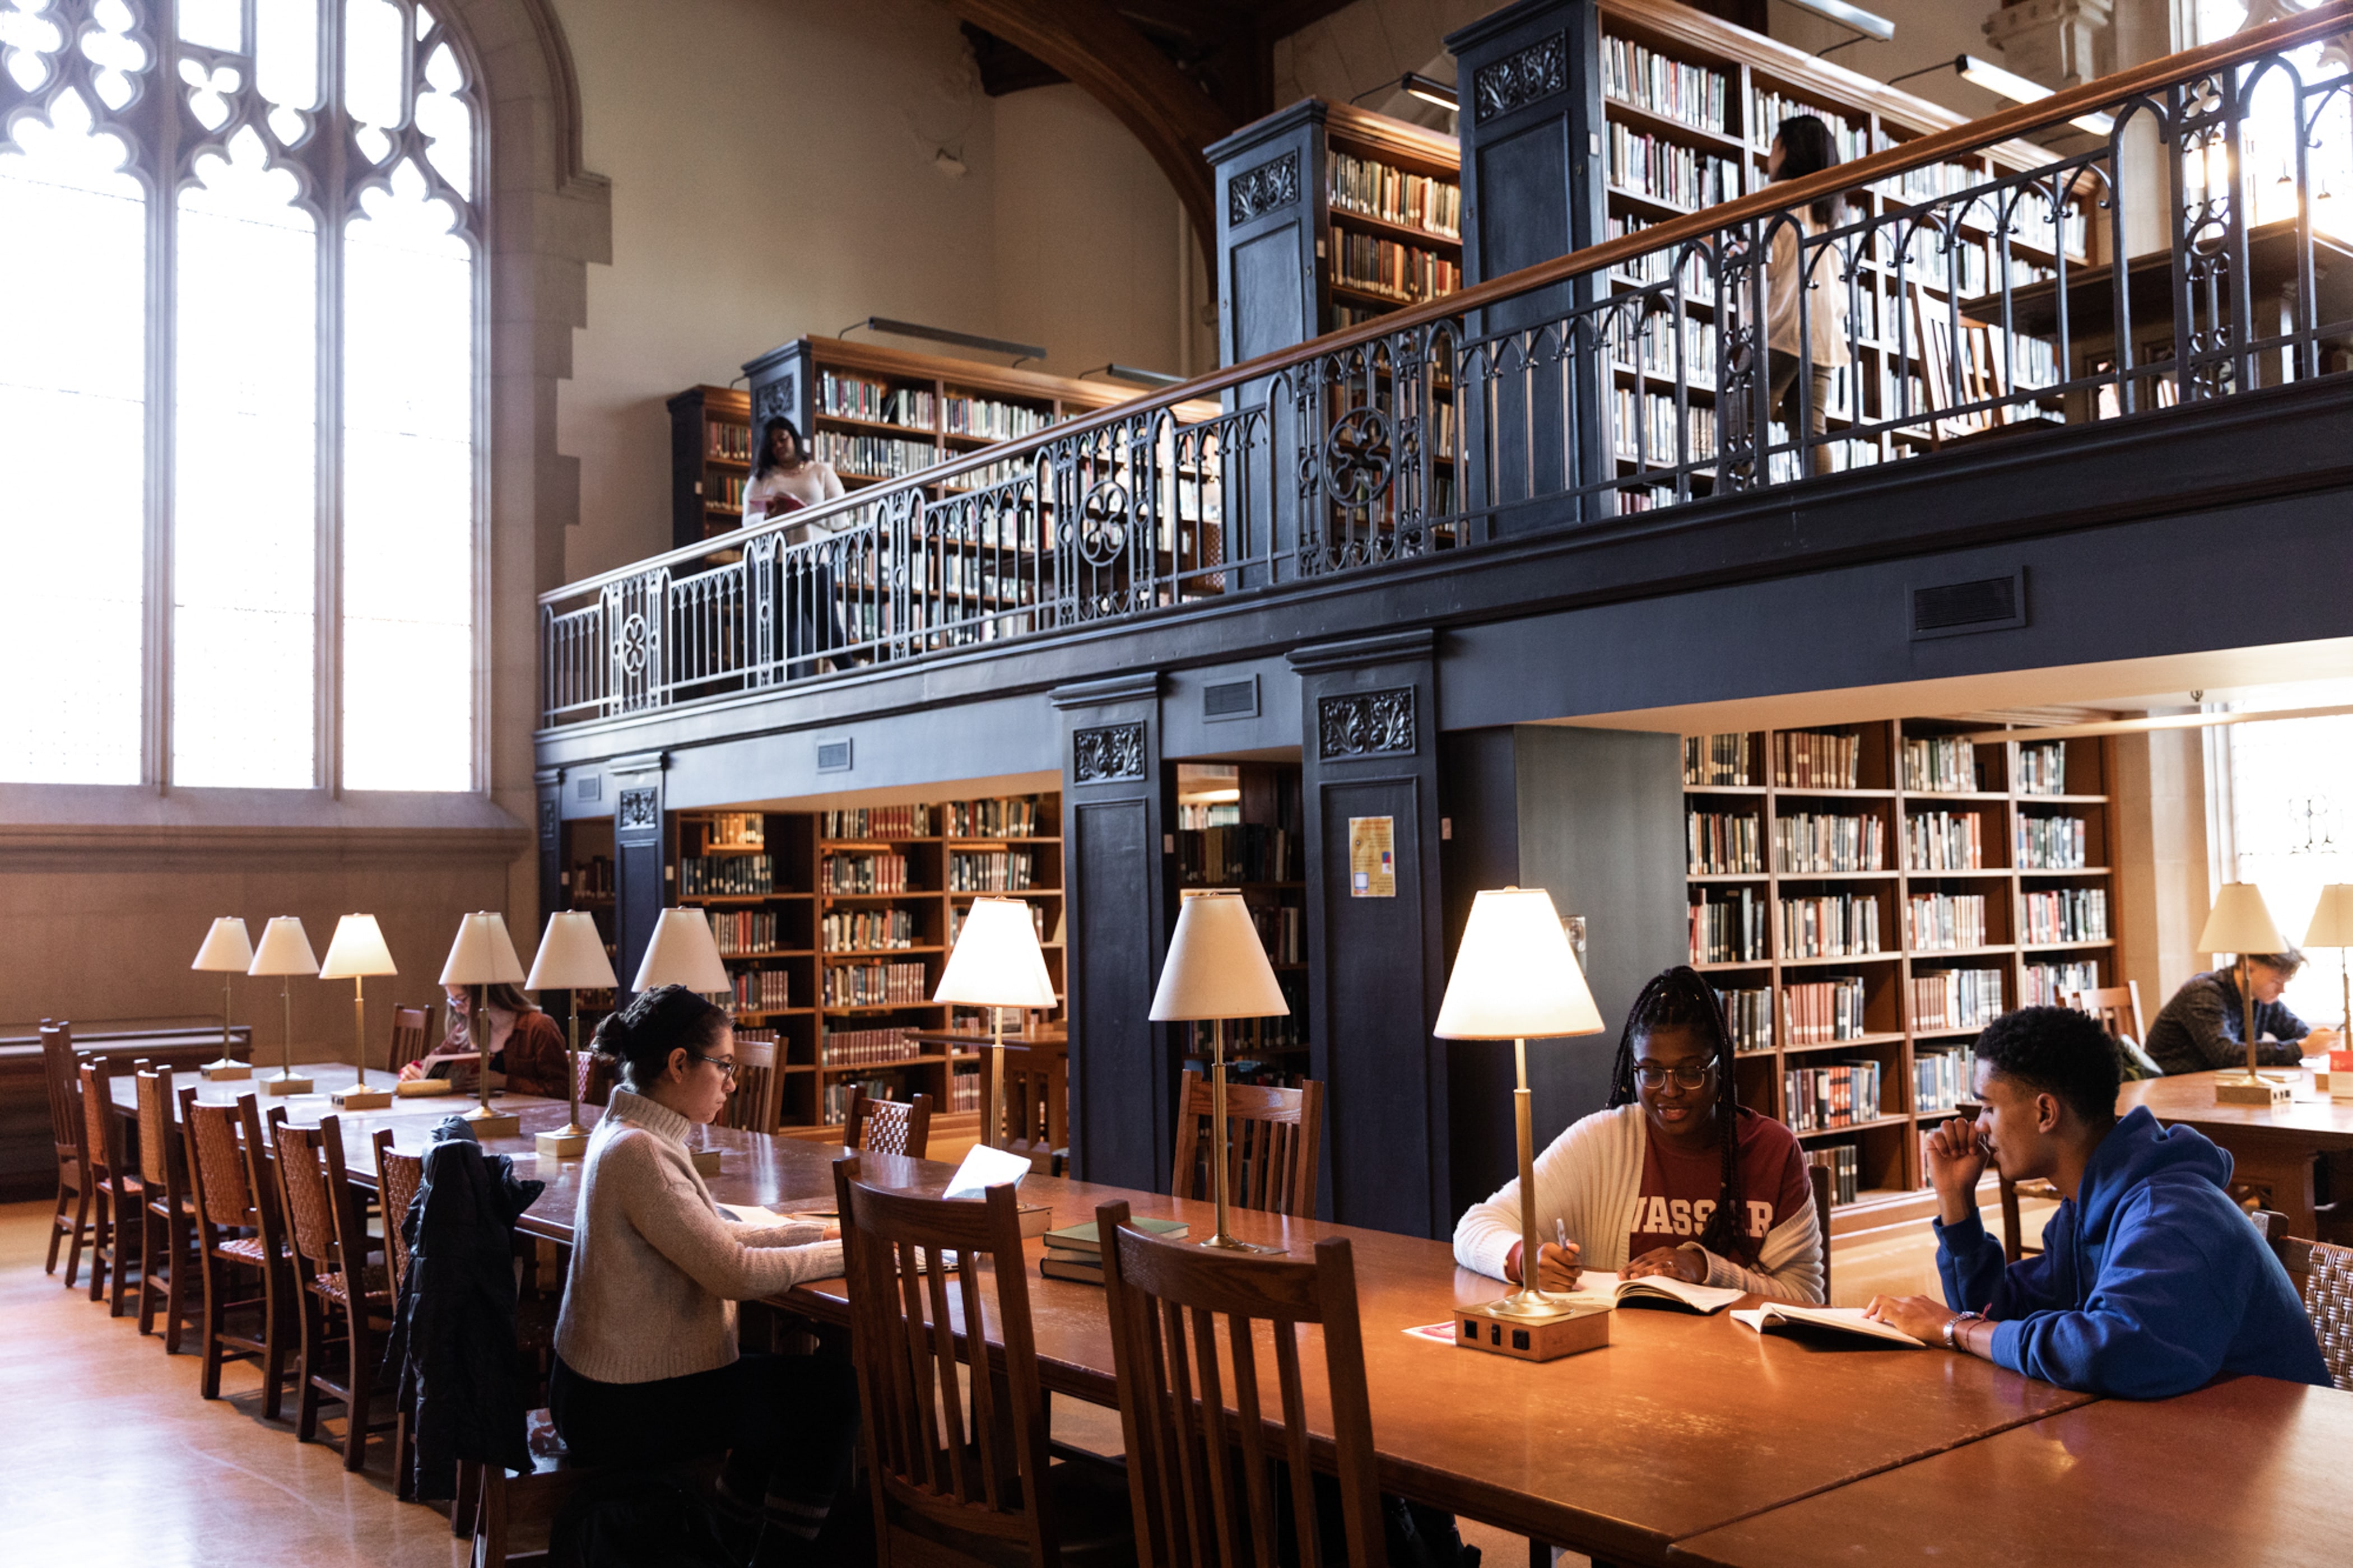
[{"x": 1372, "y": 858}]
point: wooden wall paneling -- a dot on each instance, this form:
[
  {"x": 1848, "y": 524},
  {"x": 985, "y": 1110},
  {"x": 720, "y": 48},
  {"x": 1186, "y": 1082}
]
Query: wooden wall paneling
[
  {"x": 1369, "y": 749},
  {"x": 640, "y": 861},
  {"x": 1114, "y": 816},
  {"x": 548, "y": 787}
]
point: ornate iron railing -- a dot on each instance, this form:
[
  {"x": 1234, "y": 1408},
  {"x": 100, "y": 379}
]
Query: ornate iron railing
[{"x": 1956, "y": 289}]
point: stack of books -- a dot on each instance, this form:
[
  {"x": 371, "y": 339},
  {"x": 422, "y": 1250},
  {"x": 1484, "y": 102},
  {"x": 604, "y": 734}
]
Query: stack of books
[{"x": 1076, "y": 1252}]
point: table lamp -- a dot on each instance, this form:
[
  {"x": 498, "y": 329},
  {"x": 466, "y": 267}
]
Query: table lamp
[
  {"x": 2332, "y": 926},
  {"x": 285, "y": 952},
  {"x": 571, "y": 959},
  {"x": 356, "y": 953},
  {"x": 683, "y": 952},
  {"x": 2241, "y": 924},
  {"x": 1217, "y": 970},
  {"x": 996, "y": 963},
  {"x": 1514, "y": 978},
  {"x": 482, "y": 956},
  {"x": 226, "y": 951}
]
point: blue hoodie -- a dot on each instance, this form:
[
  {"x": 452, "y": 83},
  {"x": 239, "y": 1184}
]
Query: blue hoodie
[{"x": 2151, "y": 1281}]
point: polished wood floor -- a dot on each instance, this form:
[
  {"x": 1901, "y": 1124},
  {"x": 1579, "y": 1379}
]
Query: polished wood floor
[{"x": 108, "y": 1456}]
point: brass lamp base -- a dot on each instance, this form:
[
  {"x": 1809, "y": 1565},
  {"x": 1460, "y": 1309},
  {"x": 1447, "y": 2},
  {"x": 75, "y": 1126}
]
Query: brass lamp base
[
  {"x": 1225, "y": 1243},
  {"x": 564, "y": 1144},
  {"x": 286, "y": 1085},
  {"x": 2244, "y": 1090},
  {"x": 362, "y": 1100},
  {"x": 224, "y": 1070},
  {"x": 1563, "y": 1331},
  {"x": 706, "y": 1161},
  {"x": 488, "y": 1123},
  {"x": 1528, "y": 1306}
]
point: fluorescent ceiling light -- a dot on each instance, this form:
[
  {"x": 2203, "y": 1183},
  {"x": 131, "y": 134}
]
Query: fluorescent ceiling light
[
  {"x": 1870, "y": 24},
  {"x": 2008, "y": 84},
  {"x": 1139, "y": 376},
  {"x": 1430, "y": 90},
  {"x": 943, "y": 335}
]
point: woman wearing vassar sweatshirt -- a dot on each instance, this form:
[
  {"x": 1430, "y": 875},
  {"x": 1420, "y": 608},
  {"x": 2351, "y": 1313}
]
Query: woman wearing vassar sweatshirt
[
  {"x": 647, "y": 1369},
  {"x": 1674, "y": 1178}
]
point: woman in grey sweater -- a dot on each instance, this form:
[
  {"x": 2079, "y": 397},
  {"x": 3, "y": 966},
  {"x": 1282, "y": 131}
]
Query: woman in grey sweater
[{"x": 646, "y": 1369}]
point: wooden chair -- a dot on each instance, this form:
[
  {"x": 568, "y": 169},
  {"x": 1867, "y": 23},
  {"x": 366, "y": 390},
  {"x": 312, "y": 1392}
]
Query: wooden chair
[
  {"x": 2323, "y": 1272},
  {"x": 167, "y": 1224},
  {"x": 63, "y": 1076},
  {"x": 2115, "y": 1007},
  {"x": 333, "y": 1279},
  {"x": 115, "y": 1190},
  {"x": 1036, "y": 1102},
  {"x": 1273, "y": 1137},
  {"x": 887, "y": 1126},
  {"x": 411, "y": 1035},
  {"x": 229, "y": 1244},
  {"x": 753, "y": 1106},
  {"x": 1819, "y": 1177},
  {"x": 1191, "y": 1508},
  {"x": 960, "y": 1466},
  {"x": 397, "y": 1177}
]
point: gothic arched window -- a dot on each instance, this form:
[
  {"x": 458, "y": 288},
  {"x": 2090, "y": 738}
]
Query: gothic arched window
[{"x": 241, "y": 311}]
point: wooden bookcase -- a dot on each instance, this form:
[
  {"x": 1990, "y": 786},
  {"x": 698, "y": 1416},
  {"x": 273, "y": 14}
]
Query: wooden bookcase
[
  {"x": 834, "y": 950},
  {"x": 584, "y": 881},
  {"x": 2020, "y": 952},
  {"x": 710, "y": 462},
  {"x": 1241, "y": 826}
]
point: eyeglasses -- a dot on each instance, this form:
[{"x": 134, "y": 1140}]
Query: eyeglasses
[
  {"x": 727, "y": 1065},
  {"x": 1653, "y": 1074}
]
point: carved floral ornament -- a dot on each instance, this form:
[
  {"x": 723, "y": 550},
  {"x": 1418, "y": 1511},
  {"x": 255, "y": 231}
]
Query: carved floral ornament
[
  {"x": 1108, "y": 753},
  {"x": 1517, "y": 80},
  {"x": 1262, "y": 188},
  {"x": 1365, "y": 723},
  {"x": 639, "y": 808}
]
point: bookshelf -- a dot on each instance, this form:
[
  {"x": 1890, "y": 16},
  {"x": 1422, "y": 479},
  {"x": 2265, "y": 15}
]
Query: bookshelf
[
  {"x": 710, "y": 462},
  {"x": 586, "y": 880},
  {"x": 1869, "y": 896},
  {"x": 835, "y": 926},
  {"x": 1238, "y": 826}
]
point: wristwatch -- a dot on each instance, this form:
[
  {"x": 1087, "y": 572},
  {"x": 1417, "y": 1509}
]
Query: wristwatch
[{"x": 1953, "y": 1328}]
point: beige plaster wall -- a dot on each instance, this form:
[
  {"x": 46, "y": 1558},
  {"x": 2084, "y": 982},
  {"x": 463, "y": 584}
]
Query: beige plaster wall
[{"x": 2159, "y": 794}]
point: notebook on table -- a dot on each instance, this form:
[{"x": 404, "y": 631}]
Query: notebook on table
[{"x": 1775, "y": 1315}]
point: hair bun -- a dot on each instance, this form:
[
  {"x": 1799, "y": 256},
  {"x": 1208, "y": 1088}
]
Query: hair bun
[{"x": 611, "y": 1039}]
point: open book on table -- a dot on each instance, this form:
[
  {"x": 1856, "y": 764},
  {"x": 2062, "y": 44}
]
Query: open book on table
[
  {"x": 1774, "y": 1315},
  {"x": 1601, "y": 1286}
]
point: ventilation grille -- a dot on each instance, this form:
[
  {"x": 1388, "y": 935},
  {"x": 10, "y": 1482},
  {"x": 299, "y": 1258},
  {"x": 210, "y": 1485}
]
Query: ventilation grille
[
  {"x": 1981, "y": 605},
  {"x": 588, "y": 787},
  {"x": 1230, "y": 698},
  {"x": 833, "y": 756}
]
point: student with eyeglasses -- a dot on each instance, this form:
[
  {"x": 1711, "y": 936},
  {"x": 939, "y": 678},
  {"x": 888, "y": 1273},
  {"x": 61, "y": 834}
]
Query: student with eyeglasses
[
  {"x": 648, "y": 1372},
  {"x": 1675, "y": 1177}
]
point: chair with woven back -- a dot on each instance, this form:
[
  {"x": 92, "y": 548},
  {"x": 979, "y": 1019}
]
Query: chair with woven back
[
  {"x": 875, "y": 1126},
  {"x": 2323, "y": 1272},
  {"x": 960, "y": 1466},
  {"x": 411, "y": 1035},
  {"x": 167, "y": 1225},
  {"x": 397, "y": 1177},
  {"x": 753, "y": 1105},
  {"x": 1272, "y": 1136},
  {"x": 1203, "y": 1482},
  {"x": 62, "y": 1074},
  {"x": 333, "y": 1279},
  {"x": 116, "y": 1193},
  {"x": 229, "y": 1247}
]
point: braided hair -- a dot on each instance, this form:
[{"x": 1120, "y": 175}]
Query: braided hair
[{"x": 1681, "y": 998}]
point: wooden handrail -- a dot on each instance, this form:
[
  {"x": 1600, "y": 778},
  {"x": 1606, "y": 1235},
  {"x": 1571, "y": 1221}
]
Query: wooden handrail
[{"x": 2007, "y": 125}]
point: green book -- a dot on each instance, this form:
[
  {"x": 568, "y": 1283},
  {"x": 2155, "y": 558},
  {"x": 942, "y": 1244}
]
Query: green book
[{"x": 1081, "y": 1239}]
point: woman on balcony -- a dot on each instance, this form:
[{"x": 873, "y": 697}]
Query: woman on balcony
[
  {"x": 786, "y": 478},
  {"x": 1802, "y": 146}
]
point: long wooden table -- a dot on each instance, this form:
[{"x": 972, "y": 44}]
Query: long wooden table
[
  {"x": 2249, "y": 1470},
  {"x": 1682, "y": 1426},
  {"x": 2273, "y": 1148}
]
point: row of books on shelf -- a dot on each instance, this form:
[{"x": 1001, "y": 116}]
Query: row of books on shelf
[
  {"x": 1249, "y": 1037},
  {"x": 995, "y": 418},
  {"x": 1839, "y": 1095},
  {"x": 878, "y": 456},
  {"x": 875, "y": 872},
  {"x": 728, "y": 443},
  {"x": 1240, "y": 852},
  {"x": 870, "y": 822},
  {"x": 1005, "y": 817},
  {"x": 1374, "y": 189},
  {"x": 2067, "y": 914},
  {"x": 2043, "y": 768},
  {"x": 1940, "y": 764},
  {"x": 1728, "y": 930},
  {"x": 1698, "y": 283},
  {"x": 2052, "y": 984},
  {"x": 1820, "y": 1011},
  {"x": 1649, "y": 430},
  {"x": 735, "y": 830},
  {"x": 1748, "y": 1016},
  {"x": 1955, "y": 998},
  {"x": 867, "y": 931},
  {"x": 1945, "y": 921},
  {"x": 1669, "y": 171},
  {"x": 1720, "y": 760},
  {"x": 1402, "y": 272},
  {"x": 1844, "y": 1162},
  {"x": 592, "y": 878},
  {"x": 1768, "y": 109},
  {"x": 741, "y": 932},
  {"x": 1637, "y": 74},
  {"x": 1282, "y": 930},
  {"x": 1944, "y": 841},
  {"x": 845, "y": 396},
  {"x": 833, "y": 1100},
  {"x": 1816, "y": 759},
  {"x": 1807, "y": 841},
  {"x": 2051, "y": 843},
  {"x": 1836, "y": 925},
  {"x": 725, "y": 491},
  {"x": 864, "y": 1048},
  {"x": 725, "y": 876},
  {"x": 761, "y": 990},
  {"x": 1654, "y": 348},
  {"x": 876, "y": 986},
  {"x": 1721, "y": 843},
  {"x": 964, "y": 1092},
  {"x": 991, "y": 870},
  {"x": 1942, "y": 1079}
]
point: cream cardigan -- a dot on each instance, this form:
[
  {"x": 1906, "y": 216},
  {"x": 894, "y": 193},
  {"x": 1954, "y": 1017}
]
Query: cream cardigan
[
  {"x": 656, "y": 1268},
  {"x": 1588, "y": 1180}
]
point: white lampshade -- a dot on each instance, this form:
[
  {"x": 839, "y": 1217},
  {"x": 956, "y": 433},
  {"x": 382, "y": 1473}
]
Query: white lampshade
[
  {"x": 571, "y": 956},
  {"x": 2332, "y": 918},
  {"x": 284, "y": 950},
  {"x": 1514, "y": 977},
  {"x": 996, "y": 962},
  {"x": 2241, "y": 923},
  {"x": 1217, "y": 965},
  {"x": 358, "y": 949},
  {"x": 227, "y": 947},
  {"x": 683, "y": 952},
  {"x": 483, "y": 954}
]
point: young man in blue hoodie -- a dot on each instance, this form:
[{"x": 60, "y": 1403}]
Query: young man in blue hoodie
[{"x": 2151, "y": 1281}]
